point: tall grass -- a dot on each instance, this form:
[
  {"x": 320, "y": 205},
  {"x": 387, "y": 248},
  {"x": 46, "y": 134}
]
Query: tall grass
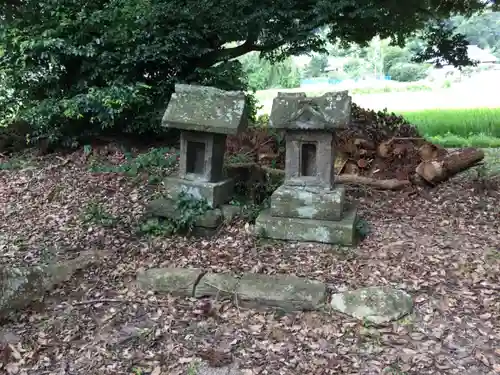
[
  {"x": 465, "y": 123},
  {"x": 478, "y": 140}
]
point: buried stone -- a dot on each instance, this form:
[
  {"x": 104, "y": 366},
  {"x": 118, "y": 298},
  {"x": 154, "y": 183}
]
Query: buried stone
[
  {"x": 179, "y": 282},
  {"x": 290, "y": 293},
  {"x": 376, "y": 305},
  {"x": 21, "y": 286}
]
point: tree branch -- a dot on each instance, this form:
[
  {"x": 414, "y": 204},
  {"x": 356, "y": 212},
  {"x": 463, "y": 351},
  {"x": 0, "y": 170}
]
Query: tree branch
[{"x": 250, "y": 45}]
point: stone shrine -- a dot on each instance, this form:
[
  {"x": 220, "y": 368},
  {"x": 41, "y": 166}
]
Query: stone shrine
[
  {"x": 205, "y": 116},
  {"x": 309, "y": 206}
]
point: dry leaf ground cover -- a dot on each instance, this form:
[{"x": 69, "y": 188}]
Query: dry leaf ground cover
[{"x": 442, "y": 247}]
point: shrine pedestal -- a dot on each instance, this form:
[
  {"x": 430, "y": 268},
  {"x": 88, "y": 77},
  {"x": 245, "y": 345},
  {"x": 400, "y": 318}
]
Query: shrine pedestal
[
  {"x": 309, "y": 206},
  {"x": 215, "y": 193},
  {"x": 305, "y": 218}
]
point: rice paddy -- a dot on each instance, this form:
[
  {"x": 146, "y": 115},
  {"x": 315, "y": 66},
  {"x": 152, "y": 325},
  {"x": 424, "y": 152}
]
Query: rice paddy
[{"x": 472, "y": 127}]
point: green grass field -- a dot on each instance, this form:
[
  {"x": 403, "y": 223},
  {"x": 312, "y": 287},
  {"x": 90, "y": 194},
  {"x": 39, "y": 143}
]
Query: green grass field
[
  {"x": 474, "y": 127},
  {"x": 459, "y": 122}
]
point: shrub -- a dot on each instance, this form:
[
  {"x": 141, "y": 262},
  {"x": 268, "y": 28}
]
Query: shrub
[{"x": 408, "y": 72}]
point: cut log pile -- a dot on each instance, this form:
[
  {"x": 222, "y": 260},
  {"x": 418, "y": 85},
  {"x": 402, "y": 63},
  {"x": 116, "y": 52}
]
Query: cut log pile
[{"x": 379, "y": 149}]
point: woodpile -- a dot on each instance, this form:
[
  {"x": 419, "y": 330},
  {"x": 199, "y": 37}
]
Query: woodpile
[{"x": 378, "y": 149}]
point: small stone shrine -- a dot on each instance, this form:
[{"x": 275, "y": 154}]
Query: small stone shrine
[
  {"x": 309, "y": 206},
  {"x": 205, "y": 116}
]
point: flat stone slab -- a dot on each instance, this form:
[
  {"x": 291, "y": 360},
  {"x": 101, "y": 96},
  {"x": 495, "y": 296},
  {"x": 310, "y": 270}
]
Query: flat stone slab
[
  {"x": 21, "y": 286},
  {"x": 376, "y": 305},
  {"x": 342, "y": 232},
  {"x": 175, "y": 281},
  {"x": 205, "y": 369},
  {"x": 215, "y": 193},
  {"x": 206, "y": 109},
  {"x": 229, "y": 212},
  {"x": 307, "y": 202},
  {"x": 217, "y": 285},
  {"x": 290, "y": 293},
  {"x": 167, "y": 208}
]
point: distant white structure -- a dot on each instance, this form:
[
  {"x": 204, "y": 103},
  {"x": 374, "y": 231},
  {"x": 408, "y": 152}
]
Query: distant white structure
[
  {"x": 479, "y": 55},
  {"x": 482, "y": 57}
]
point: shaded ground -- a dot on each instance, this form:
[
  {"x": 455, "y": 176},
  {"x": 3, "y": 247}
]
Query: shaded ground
[{"x": 441, "y": 247}]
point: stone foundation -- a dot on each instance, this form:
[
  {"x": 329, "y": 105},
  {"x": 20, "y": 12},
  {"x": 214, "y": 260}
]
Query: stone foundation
[
  {"x": 340, "y": 232},
  {"x": 205, "y": 225},
  {"x": 307, "y": 202},
  {"x": 216, "y": 193}
]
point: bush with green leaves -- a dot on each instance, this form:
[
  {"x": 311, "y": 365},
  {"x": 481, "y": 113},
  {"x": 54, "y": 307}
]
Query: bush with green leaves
[
  {"x": 105, "y": 67},
  {"x": 262, "y": 74},
  {"x": 408, "y": 72}
]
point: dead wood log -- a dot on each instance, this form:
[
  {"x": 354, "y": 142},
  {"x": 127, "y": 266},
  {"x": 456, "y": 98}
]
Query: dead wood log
[
  {"x": 439, "y": 170},
  {"x": 351, "y": 168},
  {"x": 428, "y": 152},
  {"x": 364, "y": 143},
  {"x": 390, "y": 184},
  {"x": 384, "y": 149}
]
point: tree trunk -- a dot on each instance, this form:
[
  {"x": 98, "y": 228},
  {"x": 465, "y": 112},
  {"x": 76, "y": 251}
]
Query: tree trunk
[
  {"x": 439, "y": 170},
  {"x": 391, "y": 184}
]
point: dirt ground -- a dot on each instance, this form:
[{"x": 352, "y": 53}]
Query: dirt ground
[{"x": 442, "y": 247}]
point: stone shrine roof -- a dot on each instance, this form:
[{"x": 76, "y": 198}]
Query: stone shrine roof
[
  {"x": 294, "y": 111},
  {"x": 206, "y": 109}
]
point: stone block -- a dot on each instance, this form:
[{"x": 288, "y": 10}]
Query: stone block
[
  {"x": 308, "y": 202},
  {"x": 329, "y": 111},
  {"x": 216, "y": 193},
  {"x": 340, "y": 232},
  {"x": 175, "y": 281},
  {"x": 290, "y": 293},
  {"x": 206, "y": 109},
  {"x": 377, "y": 305},
  {"x": 21, "y": 286},
  {"x": 229, "y": 212},
  {"x": 310, "y": 158},
  {"x": 167, "y": 208},
  {"x": 202, "y": 156},
  {"x": 219, "y": 285}
]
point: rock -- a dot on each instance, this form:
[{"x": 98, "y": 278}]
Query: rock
[
  {"x": 291, "y": 293},
  {"x": 342, "y": 232},
  {"x": 219, "y": 285},
  {"x": 8, "y": 337},
  {"x": 20, "y": 286},
  {"x": 376, "y": 305},
  {"x": 167, "y": 208},
  {"x": 205, "y": 369},
  {"x": 229, "y": 212},
  {"x": 215, "y": 193},
  {"x": 308, "y": 202},
  {"x": 333, "y": 107},
  {"x": 175, "y": 281},
  {"x": 206, "y": 109}
]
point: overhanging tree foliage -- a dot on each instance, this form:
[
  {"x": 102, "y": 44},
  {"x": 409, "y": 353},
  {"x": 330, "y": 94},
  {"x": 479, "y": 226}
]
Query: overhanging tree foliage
[{"x": 81, "y": 68}]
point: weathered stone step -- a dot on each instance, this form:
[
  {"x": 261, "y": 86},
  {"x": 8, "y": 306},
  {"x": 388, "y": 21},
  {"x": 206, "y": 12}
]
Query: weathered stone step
[
  {"x": 287, "y": 292},
  {"x": 341, "y": 232}
]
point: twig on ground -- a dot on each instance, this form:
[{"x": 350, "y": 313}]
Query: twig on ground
[{"x": 104, "y": 300}]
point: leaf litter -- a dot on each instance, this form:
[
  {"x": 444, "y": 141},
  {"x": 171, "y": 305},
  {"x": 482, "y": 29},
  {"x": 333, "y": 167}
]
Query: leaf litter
[{"x": 442, "y": 248}]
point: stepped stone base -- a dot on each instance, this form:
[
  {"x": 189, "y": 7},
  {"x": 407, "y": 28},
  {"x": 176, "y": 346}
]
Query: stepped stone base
[
  {"x": 216, "y": 193},
  {"x": 307, "y": 202},
  {"x": 341, "y": 232},
  {"x": 205, "y": 225}
]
